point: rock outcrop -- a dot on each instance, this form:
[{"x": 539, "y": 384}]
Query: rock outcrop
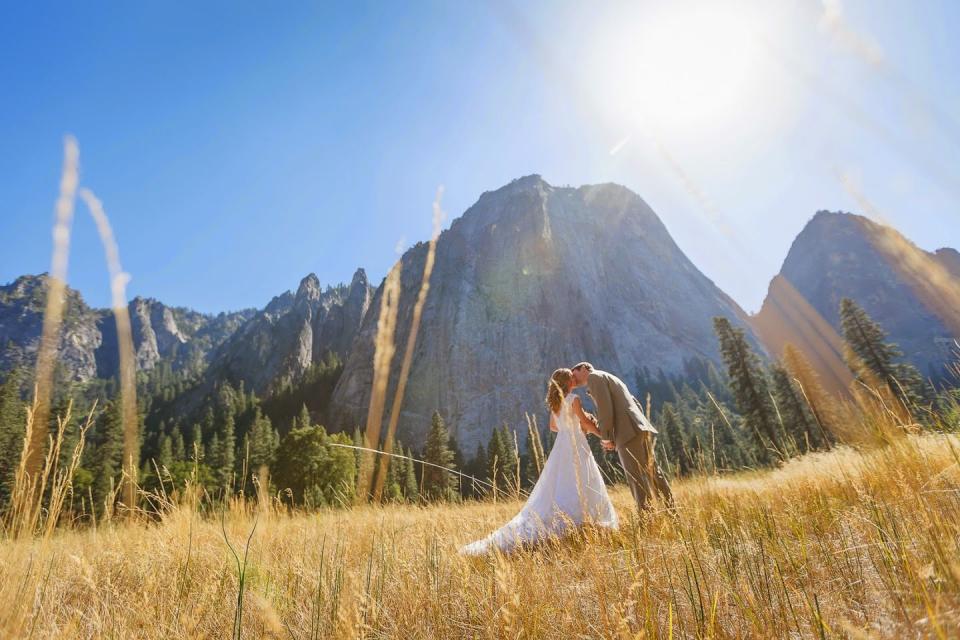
[
  {"x": 531, "y": 278},
  {"x": 88, "y": 342},
  {"x": 278, "y": 345},
  {"x": 22, "y": 304},
  {"x": 912, "y": 293}
]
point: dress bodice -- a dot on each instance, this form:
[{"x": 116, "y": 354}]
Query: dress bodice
[{"x": 565, "y": 417}]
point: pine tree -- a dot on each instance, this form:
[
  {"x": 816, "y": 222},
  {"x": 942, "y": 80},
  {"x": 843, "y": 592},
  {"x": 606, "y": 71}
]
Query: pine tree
[
  {"x": 108, "y": 453},
  {"x": 303, "y": 420},
  {"x": 798, "y": 421},
  {"x": 822, "y": 405},
  {"x": 179, "y": 449},
  {"x": 729, "y": 452},
  {"x": 358, "y": 453},
  {"x": 671, "y": 428},
  {"x": 437, "y": 483},
  {"x": 263, "y": 441},
  {"x": 196, "y": 444},
  {"x": 477, "y": 468},
  {"x": 873, "y": 359},
  {"x": 503, "y": 460},
  {"x": 496, "y": 454},
  {"x": 750, "y": 388},
  {"x": 392, "y": 491},
  {"x": 225, "y": 451},
  {"x": 165, "y": 453},
  {"x": 411, "y": 490},
  {"x": 12, "y": 427},
  {"x": 535, "y": 455}
]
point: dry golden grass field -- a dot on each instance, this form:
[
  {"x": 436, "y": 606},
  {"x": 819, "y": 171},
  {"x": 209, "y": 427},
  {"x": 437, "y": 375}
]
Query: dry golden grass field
[{"x": 842, "y": 544}]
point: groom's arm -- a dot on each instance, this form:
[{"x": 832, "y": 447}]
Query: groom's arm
[{"x": 601, "y": 397}]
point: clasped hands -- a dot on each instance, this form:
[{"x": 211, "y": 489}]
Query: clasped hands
[{"x": 608, "y": 445}]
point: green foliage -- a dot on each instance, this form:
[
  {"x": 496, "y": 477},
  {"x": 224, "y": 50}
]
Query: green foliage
[
  {"x": 313, "y": 391},
  {"x": 13, "y": 421},
  {"x": 437, "y": 483},
  {"x": 311, "y": 471},
  {"x": 107, "y": 453},
  {"x": 502, "y": 460},
  {"x": 408, "y": 478},
  {"x": 751, "y": 391},
  {"x": 673, "y": 432},
  {"x": 478, "y": 468},
  {"x": 798, "y": 420},
  {"x": 874, "y": 360}
]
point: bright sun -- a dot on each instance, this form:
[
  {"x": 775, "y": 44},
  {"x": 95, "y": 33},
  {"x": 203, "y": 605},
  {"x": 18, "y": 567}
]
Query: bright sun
[{"x": 679, "y": 69}]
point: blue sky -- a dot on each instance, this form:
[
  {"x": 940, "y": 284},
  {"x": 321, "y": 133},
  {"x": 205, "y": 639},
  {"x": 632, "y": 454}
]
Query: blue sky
[{"x": 238, "y": 146}]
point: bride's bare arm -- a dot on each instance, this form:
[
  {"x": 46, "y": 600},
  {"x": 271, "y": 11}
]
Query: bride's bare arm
[
  {"x": 588, "y": 424},
  {"x": 553, "y": 422}
]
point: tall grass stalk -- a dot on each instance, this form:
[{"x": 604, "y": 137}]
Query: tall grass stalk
[
  {"x": 384, "y": 349},
  {"x": 411, "y": 345},
  {"x": 128, "y": 386},
  {"x": 53, "y": 311}
]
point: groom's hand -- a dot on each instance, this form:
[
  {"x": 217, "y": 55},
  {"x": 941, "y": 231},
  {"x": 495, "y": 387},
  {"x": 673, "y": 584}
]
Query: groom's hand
[{"x": 608, "y": 445}]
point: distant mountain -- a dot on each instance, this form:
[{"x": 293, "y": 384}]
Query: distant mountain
[
  {"x": 180, "y": 336},
  {"x": 292, "y": 332},
  {"x": 530, "y": 278},
  {"x": 22, "y": 303},
  {"x": 534, "y": 277},
  {"x": 910, "y": 292},
  {"x": 88, "y": 342}
]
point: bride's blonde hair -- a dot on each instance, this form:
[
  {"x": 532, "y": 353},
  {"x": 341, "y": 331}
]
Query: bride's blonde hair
[{"x": 557, "y": 388}]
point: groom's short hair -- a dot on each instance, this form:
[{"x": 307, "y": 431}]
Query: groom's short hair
[{"x": 584, "y": 365}]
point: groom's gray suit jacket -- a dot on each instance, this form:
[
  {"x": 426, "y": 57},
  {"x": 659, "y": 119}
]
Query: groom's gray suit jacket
[{"x": 619, "y": 416}]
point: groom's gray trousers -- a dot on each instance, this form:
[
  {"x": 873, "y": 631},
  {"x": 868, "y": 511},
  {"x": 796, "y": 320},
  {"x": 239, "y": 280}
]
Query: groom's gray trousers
[{"x": 644, "y": 475}]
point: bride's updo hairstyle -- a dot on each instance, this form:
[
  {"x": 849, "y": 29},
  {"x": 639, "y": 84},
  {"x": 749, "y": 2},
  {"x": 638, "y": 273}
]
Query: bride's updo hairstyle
[{"x": 557, "y": 388}]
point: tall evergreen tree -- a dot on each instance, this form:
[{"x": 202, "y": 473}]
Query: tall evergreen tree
[
  {"x": 822, "y": 405},
  {"x": 728, "y": 450},
  {"x": 798, "y": 420},
  {"x": 437, "y": 483},
  {"x": 750, "y": 388},
  {"x": 392, "y": 491},
  {"x": 411, "y": 490},
  {"x": 108, "y": 453},
  {"x": 225, "y": 452},
  {"x": 535, "y": 455},
  {"x": 165, "y": 454},
  {"x": 13, "y": 422},
  {"x": 196, "y": 444},
  {"x": 179, "y": 449},
  {"x": 303, "y": 419},
  {"x": 874, "y": 360},
  {"x": 263, "y": 441},
  {"x": 477, "y": 468},
  {"x": 358, "y": 453},
  {"x": 673, "y": 431}
]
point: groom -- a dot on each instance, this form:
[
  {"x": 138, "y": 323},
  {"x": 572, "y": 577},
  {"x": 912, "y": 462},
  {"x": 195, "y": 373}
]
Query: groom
[{"x": 623, "y": 427}]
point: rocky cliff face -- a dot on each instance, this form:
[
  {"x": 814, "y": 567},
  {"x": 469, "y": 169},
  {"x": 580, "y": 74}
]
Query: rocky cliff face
[
  {"x": 88, "y": 344},
  {"x": 292, "y": 332},
  {"x": 182, "y": 337},
  {"x": 840, "y": 255},
  {"x": 532, "y": 278},
  {"x": 21, "y": 322}
]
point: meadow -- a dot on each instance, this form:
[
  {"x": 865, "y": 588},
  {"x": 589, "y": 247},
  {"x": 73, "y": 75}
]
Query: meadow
[{"x": 840, "y": 544}]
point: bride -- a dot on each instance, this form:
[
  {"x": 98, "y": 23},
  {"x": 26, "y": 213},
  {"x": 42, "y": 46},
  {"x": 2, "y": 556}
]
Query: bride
[{"x": 570, "y": 491}]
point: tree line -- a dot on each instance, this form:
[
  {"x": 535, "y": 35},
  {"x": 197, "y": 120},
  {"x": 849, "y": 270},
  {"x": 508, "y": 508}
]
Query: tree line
[{"x": 750, "y": 414}]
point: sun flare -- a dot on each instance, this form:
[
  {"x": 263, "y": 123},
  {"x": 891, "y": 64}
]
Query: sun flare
[{"x": 680, "y": 68}]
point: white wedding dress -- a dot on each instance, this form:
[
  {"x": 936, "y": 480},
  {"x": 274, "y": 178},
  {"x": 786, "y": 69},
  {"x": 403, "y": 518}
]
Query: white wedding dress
[{"x": 569, "y": 493}]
